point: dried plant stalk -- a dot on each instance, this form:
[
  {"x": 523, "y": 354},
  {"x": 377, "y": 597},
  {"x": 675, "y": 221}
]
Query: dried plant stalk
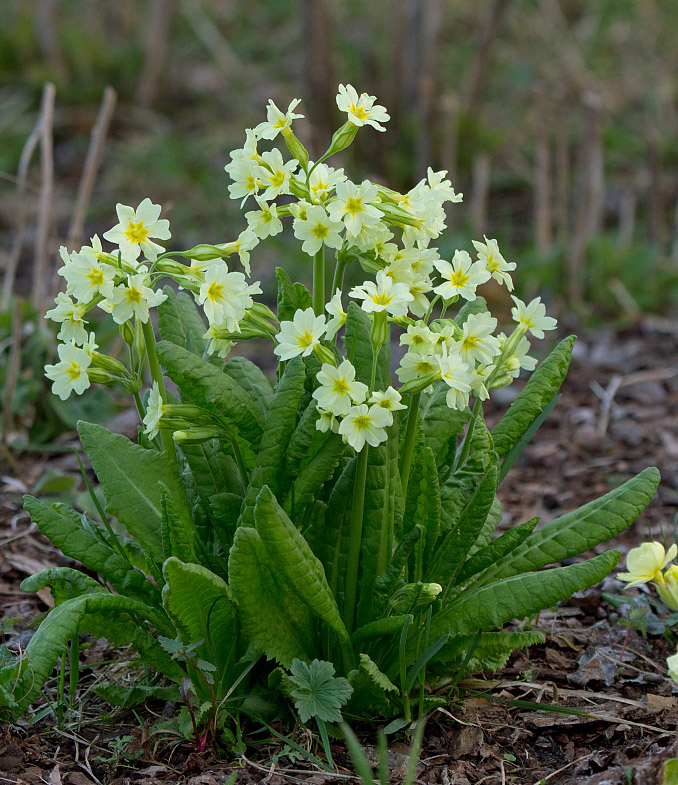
[
  {"x": 91, "y": 167},
  {"x": 38, "y": 284}
]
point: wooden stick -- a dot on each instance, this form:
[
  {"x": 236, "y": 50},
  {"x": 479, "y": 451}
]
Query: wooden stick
[
  {"x": 91, "y": 167},
  {"x": 627, "y": 217},
  {"x": 562, "y": 196},
  {"x": 46, "y": 193},
  {"x": 542, "y": 177},
  {"x": 155, "y": 49}
]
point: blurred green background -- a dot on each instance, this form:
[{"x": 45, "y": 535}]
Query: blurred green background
[{"x": 555, "y": 118}]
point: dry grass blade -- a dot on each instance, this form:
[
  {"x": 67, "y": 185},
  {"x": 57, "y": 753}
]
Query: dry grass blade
[{"x": 91, "y": 167}]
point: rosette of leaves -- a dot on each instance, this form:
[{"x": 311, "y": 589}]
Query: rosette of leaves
[{"x": 242, "y": 547}]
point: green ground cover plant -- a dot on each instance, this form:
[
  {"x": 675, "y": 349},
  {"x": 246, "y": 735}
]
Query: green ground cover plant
[{"x": 324, "y": 539}]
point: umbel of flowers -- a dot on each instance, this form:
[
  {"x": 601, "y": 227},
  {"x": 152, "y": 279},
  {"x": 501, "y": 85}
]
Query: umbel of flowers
[{"x": 390, "y": 234}]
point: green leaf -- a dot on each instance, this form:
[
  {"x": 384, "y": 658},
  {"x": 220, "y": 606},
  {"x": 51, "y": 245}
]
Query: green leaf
[
  {"x": 423, "y": 507},
  {"x": 492, "y": 606},
  {"x": 381, "y": 628},
  {"x": 252, "y": 380},
  {"x": 479, "y": 305},
  {"x": 358, "y": 348},
  {"x": 293, "y": 557},
  {"x": 314, "y": 475},
  {"x": 212, "y": 389},
  {"x": 540, "y": 389},
  {"x": 383, "y": 492},
  {"x": 125, "y": 696},
  {"x": 130, "y": 478},
  {"x": 514, "y": 453},
  {"x": 64, "y": 583},
  {"x": 62, "y": 526},
  {"x": 272, "y": 618},
  {"x": 180, "y": 322},
  {"x": 334, "y": 554},
  {"x": 580, "y": 530},
  {"x": 453, "y": 550},
  {"x": 379, "y": 678},
  {"x": 280, "y": 425},
  {"x": 200, "y": 605},
  {"x": 441, "y": 424},
  {"x": 61, "y": 625},
  {"x": 177, "y": 531},
  {"x": 385, "y": 584},
  {"x": 291, "y": 297},
  {"x": 318, "y": 692},
  {"x": 491, "y": 553},
  {"x": 492, "y": 649}
]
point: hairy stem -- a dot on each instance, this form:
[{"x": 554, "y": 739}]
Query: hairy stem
[
  {"x": 355, "y": 539},
  {"x": 156, "y": 375},
  {"x": 462, "y": 455},
  {"x": 338, "y": 279},
  {"x": 319, "y": 282}
]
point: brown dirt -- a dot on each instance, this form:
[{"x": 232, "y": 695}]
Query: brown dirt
[{"x": 618, "y": 414}]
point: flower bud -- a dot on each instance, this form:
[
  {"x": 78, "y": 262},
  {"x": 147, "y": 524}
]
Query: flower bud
[
  {"x": 100, "y": 376},
  {"x": 396, "y": 215},
  {"x": 324, "y": 354},
  {"x": 139, "y": 340},
  {"x": 195, "y": 435},
  {"x": 107, "y": 363},
  {"x": 667, "y": 588},
  {"x": 417, "y": 385},
  {"x": 127, "y": 333},
  {"x": 298, "y": 189},
  {"x": 379, "y": 331},
  {"x": 295, "y": 147},
  {"x": 204, "y": 252},
  {"x": 260, "y": 309},
  {"x": 342, "y": 139},
  {"x": 170, "y": 267}
]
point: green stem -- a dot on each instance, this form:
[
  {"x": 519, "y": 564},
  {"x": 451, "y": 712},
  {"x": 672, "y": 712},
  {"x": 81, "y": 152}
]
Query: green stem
[
  {"x": 74, "y": 669},
  {"x": 410, "y": 438},
  {"x": 338, "y": 279},
  {"x": 355, "y": 539},
  {"x": 319, "y": 282},
  {"x": 140, "y": 406},
  {"x": 156, "y": 375},
  {"x": 240, "y": 461},
  {"x": 462, "y": 455}
]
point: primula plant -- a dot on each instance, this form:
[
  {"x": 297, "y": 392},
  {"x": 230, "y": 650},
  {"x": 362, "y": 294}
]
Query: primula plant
[{"x": 336, "y": 519}]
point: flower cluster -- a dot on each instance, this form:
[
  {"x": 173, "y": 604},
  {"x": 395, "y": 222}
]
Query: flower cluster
[{"x": 388, "y": 233}]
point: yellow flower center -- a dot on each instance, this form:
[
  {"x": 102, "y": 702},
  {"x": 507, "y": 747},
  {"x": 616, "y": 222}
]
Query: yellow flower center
[
  {"x": 382, "y": 299},
  {"x": 458, "y": 278},
  {"x": 133, "y": 295},
  {"x": 320, "y": 231},
  {"x": 469, "y": 342},
  {"x": 251, "y": 183},
  {"x": 359, "y": 112},
  {"x": 277, "y": 179},
  {"x": 95, "y": 277},
  {"x": 424, "y": 367},
  {"x": 340, "y": 386},
  {"x": 215, "y": 291},
  {"x": 362, "y": 422},
  {"x": 136, "y": 232},
  {"x": 74, "y": 371},
  {"x": 306, "y": 339},
  {"x": 354, "y": 206},
  {"x": 491, "y": 263}
]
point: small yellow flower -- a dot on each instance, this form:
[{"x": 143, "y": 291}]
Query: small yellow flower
[{"x": 645, "y": 563}]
